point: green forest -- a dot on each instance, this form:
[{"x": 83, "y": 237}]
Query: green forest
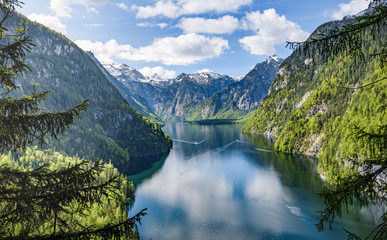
[
  {"x": 315, "y": 107},
  {"x": 112, "y": 209}
]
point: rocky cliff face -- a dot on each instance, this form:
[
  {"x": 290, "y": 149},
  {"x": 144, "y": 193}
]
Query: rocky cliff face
[
  {"x": 124, "y": 72},
  {"x": 199, "y": 96},
  {"x": 240, "y": 97},
  {"x": 171, "y": 99},
  {"x": 189, "y": 90}
]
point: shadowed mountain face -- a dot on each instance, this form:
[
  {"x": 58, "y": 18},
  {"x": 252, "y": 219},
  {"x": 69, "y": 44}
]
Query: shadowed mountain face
[
  {"x": 110, "y": 129},
  {"x": 199, "y": 96}
]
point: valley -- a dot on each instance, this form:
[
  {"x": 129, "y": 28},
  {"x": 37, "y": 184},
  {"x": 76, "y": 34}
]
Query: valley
[
  {"x": 198, "y": 96},
  {"x": 120, "y": 135}
]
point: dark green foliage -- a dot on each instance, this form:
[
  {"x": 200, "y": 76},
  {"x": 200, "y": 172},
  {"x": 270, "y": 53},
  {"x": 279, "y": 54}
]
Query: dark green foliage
[
  {"x": 71, "y": 75},
  {"x": 365, "y": 184},
  {"x": 46, "y": 195},
  {"x": 342, "y": 112},
  {"x": 41, "y": 203},
  {"x": 13, "y": 47},
  {"x": 21, "y": 120}
]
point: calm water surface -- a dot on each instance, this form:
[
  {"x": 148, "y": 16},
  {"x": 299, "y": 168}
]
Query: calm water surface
[{"x": 218, "y": 183}]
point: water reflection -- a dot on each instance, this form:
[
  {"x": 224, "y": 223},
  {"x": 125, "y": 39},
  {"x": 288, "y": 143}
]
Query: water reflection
[
  {"x": 145, "y": 169},
  {"x": 219, "y": 184}
]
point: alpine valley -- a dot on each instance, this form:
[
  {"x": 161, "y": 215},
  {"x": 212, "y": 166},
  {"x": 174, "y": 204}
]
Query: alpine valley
[
  {"x": 192, "y": 97},
  {"x": 302, "y": 125}
]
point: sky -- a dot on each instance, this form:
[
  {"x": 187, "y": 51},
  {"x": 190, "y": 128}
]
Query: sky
[{"x": 169, "y": 37}]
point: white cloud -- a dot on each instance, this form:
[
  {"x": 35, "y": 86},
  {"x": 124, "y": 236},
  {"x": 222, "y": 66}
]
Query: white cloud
[
  {"x": 225, "y": 24},
  {"x": 204, "y": 70},
  {"x": 181, "y": 50},
  {"x": 92, "y": 10},
  {"x": 143, "y": 24},
  {"x": 160, "y": 71},
  {"x": 148, "y": 24},
  {"x": 62, "y": 7},
  {"x": 122, "y": 6},
  {"x": 49, "y": 21},
  {"x": 94, "y": 25},
  {"x": 162, "y": 25},
  {"x": 351, "y": 8},
  {"x": 104, "y": 51},
  {"x": 271, "y": 29},
  {"x": 176, "y": 8}
]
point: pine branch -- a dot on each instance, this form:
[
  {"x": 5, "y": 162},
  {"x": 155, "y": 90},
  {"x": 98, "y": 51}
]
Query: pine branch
[
  {"x": 19, "y": 130},
  {"x": 24, "y": 105},
  {"x": 347, "y": 39},
  {"x": 344, "y": 193},
  {"x": 123, "y": 230},
  {"x": 37, "y": 195}
]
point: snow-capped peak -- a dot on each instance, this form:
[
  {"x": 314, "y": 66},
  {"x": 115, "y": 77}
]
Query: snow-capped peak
[
  {"x": 273, "y": 58},
  {"x": 123, "y": 72}
]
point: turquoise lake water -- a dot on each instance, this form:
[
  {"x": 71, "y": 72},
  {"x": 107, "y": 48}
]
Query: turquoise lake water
[{"x": 218, "y": 183}]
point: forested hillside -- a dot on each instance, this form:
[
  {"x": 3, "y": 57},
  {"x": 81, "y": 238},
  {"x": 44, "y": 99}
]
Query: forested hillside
[
  {"x": 314, "y": 106},
  {"x": 110, "y": 129}
]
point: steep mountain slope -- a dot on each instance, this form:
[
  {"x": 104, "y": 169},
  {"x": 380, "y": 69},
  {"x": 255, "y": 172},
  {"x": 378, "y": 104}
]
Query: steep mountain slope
[
  {"x": 201, "y": 95},
  {"x": 111, "y": 129},
  {"x": 131, "y": 96},
  {"x": 124, "y": 72},
  {"x": 312, "y": 107},
  {"x": 189, "y": 90},
  {"x": 170, "y": 99},
  {"x": 239, "y": 98}
]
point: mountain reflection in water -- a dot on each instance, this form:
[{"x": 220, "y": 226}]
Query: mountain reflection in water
[{"x": 218, "y": 183}]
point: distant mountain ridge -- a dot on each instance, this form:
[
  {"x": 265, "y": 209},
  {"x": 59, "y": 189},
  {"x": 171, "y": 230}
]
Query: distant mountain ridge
[
  {"x": 189, "y": 96},
  {"x": 125, "y": 73},
  {"x": 239, "y": 98}
]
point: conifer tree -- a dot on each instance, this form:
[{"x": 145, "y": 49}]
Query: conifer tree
[
  {"x": 35, "y": 199},
  {"x": 369, "y": 172}
]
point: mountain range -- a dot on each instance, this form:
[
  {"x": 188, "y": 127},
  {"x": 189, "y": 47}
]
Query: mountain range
[{"x": 196, "y": 96}]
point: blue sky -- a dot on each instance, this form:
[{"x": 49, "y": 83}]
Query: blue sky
[{"x": 169, "y": 37}]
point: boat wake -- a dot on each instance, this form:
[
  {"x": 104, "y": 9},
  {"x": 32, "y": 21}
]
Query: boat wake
[{"x": 193, "y": 143}]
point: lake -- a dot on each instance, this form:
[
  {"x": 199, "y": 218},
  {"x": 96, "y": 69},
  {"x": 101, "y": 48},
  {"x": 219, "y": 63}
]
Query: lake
[{"x": 218, "y": 183}]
